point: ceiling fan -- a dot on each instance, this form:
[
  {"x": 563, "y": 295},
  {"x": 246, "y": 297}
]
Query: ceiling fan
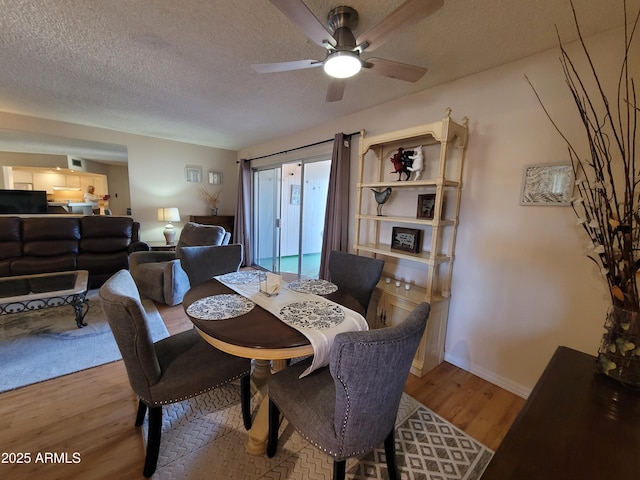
[{"x": 344, "y": 49}]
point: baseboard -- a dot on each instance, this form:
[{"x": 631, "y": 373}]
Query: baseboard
[{"x": 488, "y": 375}]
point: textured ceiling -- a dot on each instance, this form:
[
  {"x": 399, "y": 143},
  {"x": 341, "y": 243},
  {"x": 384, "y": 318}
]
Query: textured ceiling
[{"x": 181, "y": 70}]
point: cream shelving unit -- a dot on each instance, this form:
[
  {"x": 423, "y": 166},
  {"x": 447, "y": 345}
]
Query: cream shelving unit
[{"x": 444, "y": 144}]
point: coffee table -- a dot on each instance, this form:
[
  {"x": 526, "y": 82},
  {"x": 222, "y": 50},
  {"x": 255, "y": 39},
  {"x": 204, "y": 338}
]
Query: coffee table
[{"x": 24, "y": 293}]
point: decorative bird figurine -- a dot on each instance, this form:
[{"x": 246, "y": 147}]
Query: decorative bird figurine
[{"x": 381, "y": 197}]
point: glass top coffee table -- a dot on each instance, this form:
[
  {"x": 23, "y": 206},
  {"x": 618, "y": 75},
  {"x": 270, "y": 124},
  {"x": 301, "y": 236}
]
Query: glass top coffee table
[{"x": 33, "y": 292}]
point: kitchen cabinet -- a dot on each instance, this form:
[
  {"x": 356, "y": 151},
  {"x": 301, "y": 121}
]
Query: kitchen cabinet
[
  {"x": 72, "y": 181},
  {"x": 53, "y": 182},
  {"x": 101, "y": 183},
  {"x": 418, "y": 222},
  {"x": 47, "y": 180},
  {"x": 22, "y": 176},
  {"x": 395, "y": 304},
  {"x": 98, "y": 181}
]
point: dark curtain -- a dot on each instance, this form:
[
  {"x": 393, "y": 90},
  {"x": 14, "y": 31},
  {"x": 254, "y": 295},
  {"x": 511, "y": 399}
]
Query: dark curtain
[
  {"x": 336, "y": 220},
  {"x": 242, "y": 228}
]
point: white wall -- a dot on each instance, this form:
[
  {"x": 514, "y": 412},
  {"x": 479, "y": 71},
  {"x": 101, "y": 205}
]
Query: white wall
[
  {"x": 157, "y": 178},
  {"x": 156, "y": 171},
  {"x": 522, "y": 284},
  {"x": 119, "y": 189}
]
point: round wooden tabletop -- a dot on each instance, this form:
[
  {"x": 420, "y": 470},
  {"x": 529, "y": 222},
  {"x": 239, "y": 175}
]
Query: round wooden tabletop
[{"x": 257, "y": 334}]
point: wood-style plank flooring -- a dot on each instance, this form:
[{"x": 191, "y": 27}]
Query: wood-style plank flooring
[{"x": 92, "y": 412}]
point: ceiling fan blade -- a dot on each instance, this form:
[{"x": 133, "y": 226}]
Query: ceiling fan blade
[
  {"x": 335, "y": 92},
  {"x": 300, "y": 14},
  {"x": 285, "y": 66},
  {"x": 407, "y": 14},
  {"x": 391, "y": 69}
]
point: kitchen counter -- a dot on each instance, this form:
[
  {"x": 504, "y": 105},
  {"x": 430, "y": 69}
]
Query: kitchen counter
[{"x": 83, "y": 208}]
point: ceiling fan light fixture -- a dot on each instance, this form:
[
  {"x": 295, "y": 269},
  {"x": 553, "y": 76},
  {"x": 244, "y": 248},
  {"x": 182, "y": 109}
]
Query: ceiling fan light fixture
[{"x": 342, "y": 64}]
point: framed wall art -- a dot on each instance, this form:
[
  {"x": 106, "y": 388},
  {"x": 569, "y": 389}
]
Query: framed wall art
[
  {"x": 295, "y": 195},
  {"x": 547, "y": 184},
  {"x": 215, "y": 178},
  {"x": 193, "y": 173},
  {"x": 405, "y": 239}
]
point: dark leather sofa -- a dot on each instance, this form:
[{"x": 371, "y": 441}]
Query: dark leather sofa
[{"x": 99, "y": 244}]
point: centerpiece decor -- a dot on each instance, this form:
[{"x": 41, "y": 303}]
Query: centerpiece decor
[
  {"x": 211, "y": 198},
  {"x": 607, "y": 198}
]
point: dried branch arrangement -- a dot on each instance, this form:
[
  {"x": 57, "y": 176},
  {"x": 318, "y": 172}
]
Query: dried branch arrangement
[
  {"x": 607, "y": 194},
  {"x": 211, "y": 198}
]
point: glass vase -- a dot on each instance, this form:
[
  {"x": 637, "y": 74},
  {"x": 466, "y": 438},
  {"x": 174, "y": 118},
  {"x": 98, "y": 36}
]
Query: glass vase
[
  {"x": 619, "y": 353},
  {"x": 214, "y": 211}
]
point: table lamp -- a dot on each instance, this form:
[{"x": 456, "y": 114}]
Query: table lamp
[{"x": 169, "y": 214}]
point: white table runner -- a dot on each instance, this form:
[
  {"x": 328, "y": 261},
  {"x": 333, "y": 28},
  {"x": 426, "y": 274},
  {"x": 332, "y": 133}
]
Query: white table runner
[{"x": 321, "y": 339}]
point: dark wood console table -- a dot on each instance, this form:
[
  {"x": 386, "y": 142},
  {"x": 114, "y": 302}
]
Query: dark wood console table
[
  {"x": 576, "y": 424},
  {"x": 226, "y": 221}
]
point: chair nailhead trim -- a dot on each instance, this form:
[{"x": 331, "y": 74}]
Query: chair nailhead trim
[
  {"x": 180, "y": 399},
  {"x": 332, "y": 453}
]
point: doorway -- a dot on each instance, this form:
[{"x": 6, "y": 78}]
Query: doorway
[{"x": 289, "y": 208}]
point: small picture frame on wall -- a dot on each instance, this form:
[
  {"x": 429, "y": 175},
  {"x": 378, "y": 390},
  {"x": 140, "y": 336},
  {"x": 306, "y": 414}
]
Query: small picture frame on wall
[
  {"x": 405, "y": 239},
  {"x": 215, "y": 178},
  {"x": 295, "y": 195},
  {"x": 193, "y": 173},
  {"x": 547, "y": 184},
  {"x": 426, "y": 206}
]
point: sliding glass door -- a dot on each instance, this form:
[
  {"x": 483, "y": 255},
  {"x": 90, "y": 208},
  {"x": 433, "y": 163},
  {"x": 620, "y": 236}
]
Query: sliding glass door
[
  {"x": 316, "y": 185},
  {"x": 266, "y": 218},
  {"x": 289, "y": 209}
]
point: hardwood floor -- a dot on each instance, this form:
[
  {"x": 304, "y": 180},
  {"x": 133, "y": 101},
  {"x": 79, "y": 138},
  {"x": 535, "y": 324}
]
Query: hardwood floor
[{"x": 92, "y": 413}]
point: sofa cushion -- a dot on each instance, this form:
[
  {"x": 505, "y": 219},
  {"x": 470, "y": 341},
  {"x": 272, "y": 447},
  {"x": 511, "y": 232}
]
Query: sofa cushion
[
  {"x": 102, "y": 265},
  {"x": 10, "y": 240},
  {"x": 55, "y": 228},
  {"x": 103, "y": 262},
  {"x": 50, "y": 237},
  {"x": 51, "y": 248},
  {"x": 106, "y": 234},
  {"x": 5, "y": 267},
  {"x": 28, "y": 265}
]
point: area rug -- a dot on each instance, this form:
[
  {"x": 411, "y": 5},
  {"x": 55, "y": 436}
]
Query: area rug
[
  {"x": 204, "y": 438},
  {"x": 44, "y": 344}
]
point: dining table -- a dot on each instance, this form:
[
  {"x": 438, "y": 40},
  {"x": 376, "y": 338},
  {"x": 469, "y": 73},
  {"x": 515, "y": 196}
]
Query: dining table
[{"x": 246, "y": 325}]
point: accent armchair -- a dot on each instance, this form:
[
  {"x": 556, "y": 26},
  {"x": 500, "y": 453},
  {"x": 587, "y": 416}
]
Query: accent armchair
[
  {"x": 350, "y": 407},
  {"x": 168, "y": 371},
  {"x": 159, "y": 275}
]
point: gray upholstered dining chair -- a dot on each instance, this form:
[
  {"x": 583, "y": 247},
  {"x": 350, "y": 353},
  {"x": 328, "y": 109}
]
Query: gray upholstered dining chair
[
  {"x": 355, "y": 275},
  {"x": 350, "y": 407},
  {"x": 159, "y": 275},
  {"x": 204, "y": 262},
  {"x": 170, "y": 370}
]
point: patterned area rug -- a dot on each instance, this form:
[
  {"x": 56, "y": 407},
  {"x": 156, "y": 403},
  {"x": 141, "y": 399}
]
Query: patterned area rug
[
  {"x": 44, "y": 344},
  {"x": 204, "y": 438}
]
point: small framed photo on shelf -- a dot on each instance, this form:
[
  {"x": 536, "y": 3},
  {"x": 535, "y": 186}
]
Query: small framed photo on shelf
[
  {"x": 426, "y": 206},
  {"x": 405, "y": 239},
  {"x": 547, "y": 184}
]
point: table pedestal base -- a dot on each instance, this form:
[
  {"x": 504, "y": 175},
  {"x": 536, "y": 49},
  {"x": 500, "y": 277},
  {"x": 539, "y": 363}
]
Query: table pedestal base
[{"x": 259, "y": 433}]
